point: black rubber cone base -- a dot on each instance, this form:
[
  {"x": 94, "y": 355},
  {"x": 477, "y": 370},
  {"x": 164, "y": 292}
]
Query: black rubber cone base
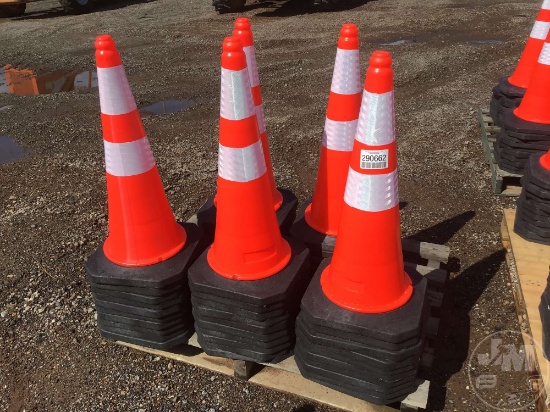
[
  {"x": 533, "y": 215},
  {"x": 285, "y": 286},
  {"x": 515, "y": 143},
  {"x": 179, "y": 340},
  {"x": 148, "y": 334},
  {"x": 219, "y": 302},
  {"x": 510, "y": 90},
  {"x": 137, "y": 299},
  {"x": 538, "y": 175},
  {"x": 184, "y": 321},
  {"x": 122, "y": 327},
  {"x": 392, "y": 330},
  {"x": 366, "y": 361},
  {"x": 206, "y": 216},
  {"x": 267, "y": 343},
  {"x": 533, "y": 204},
  {"x": 159, "y": 276},
  {"x": 174, "y": 299},
  {"x": 530, "y": 232},
  {"x": 513, "y": 123},
  {"x": 178, "y": 307},
  {"x": 360, "y": 352},
  {"x": 236, "y": 312},
  {"x": 224, "y": 330},
  {"x": 352, "y": 386},
  {"x": 247, "y": 323},
  {"x": 235, "y": 350},
  {"x": 383, "y": 380},
  {"x": 146, "y": 293},
  {"x": 320, "y": 244}
]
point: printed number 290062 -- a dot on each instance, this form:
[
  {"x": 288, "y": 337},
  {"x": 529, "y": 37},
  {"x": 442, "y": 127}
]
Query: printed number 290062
[{"x": 374, "y": 159}]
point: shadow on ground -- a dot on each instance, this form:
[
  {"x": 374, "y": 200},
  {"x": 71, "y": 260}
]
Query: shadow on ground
[
  {"x": 103, "y": 6},
  {"x": 453, "y": 341}
]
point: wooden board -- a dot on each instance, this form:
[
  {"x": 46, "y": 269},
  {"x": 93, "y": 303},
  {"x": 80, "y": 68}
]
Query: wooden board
[
  {"x": 528, "y": 265},
  {"x": 503, "y": 183}
]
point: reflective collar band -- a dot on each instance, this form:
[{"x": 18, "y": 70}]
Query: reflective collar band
[
  {"x": 241, "y": 164},
  {"x": 128, "y": 159}
]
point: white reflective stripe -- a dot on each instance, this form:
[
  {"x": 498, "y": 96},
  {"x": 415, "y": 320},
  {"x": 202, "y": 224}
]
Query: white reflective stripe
[
  {"x": 540, "y": 30},
  {"x": 236, "y": 96},
  {"x": 241, "y": 164},
  {"x": 546, "y": 5},
  {"x": 346, "y": 78},
  {"x": 260, "y": 118},
  {"x": 544, "y": 56},
  {"x": 128, "y": 159},
  {"x": 252, "y": 66},
  {"x": 371, "y": 193},
  {"x": 376, "y": 125},
  {"x": 339, "y": 135},
  {"x": 115, "y": 96}
]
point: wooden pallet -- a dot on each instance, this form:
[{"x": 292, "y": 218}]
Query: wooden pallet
[
  {"x": 285, "y": 375},
  {"x": 503, "y": 183},
  {"x": 528, "y": 265}
]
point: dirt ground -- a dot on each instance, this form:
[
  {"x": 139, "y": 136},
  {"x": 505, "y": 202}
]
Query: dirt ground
[{"x": 53, "y": 202}]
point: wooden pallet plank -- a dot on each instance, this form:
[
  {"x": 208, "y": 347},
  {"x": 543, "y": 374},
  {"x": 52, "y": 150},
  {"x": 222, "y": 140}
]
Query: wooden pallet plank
[
  {"x": 502, "y": 182},
  {"x": 428, "y": 251},
  {"x": 530, "y": 262}
]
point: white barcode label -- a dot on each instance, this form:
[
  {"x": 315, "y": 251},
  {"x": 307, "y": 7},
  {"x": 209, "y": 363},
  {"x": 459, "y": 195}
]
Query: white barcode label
[{"x": 374, "y": 159}]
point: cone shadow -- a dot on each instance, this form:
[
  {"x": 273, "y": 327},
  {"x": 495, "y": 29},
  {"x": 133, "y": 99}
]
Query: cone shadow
[
  {"x": 453, "y": 339},
  {"x": 442, "y": 232}
]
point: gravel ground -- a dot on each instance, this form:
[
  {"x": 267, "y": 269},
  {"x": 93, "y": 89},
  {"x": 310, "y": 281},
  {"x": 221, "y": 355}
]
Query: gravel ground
[{"x": 54, "y": 205}]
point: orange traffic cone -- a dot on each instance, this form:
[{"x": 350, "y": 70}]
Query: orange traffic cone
[
  {"x": 366, "y": 273},
  {"x": 535, "y": 106},
  {"x": 247, "y": 243},
  {"x": 142, "y": 228},
  {"x": 528, "y": 60},
  {"x": 244, "y": 32},
  {"x": 323, "y": 214}
]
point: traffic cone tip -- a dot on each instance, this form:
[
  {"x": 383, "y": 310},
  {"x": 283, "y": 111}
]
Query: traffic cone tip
[
  {"x": 243, "y": 29},
  {"x": 379, "y": 73},
  {"x": 349, "y": 37},
  {"x": 233, "y": 57},
  {"x": 107, "y": 54}
]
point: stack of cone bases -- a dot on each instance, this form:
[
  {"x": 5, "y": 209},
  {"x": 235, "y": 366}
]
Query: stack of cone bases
[
  {"x": 317, "y": 222},
  {"x": 138, "y": 275},
  {"x": 360, "y": 328},
  {"x": 246, "y": 287},
  {"x": 284, "y": 201},
  {"x": 533, "y": 207},
  {"x": 526, "y": 130},
  {"x": 510, "y": 90}
]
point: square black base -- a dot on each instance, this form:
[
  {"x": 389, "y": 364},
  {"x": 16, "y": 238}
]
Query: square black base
[
  {"x": 392, "y": 330},
  {"x": 285, "y": 286},
  {"x": 172, "y": 271}
]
